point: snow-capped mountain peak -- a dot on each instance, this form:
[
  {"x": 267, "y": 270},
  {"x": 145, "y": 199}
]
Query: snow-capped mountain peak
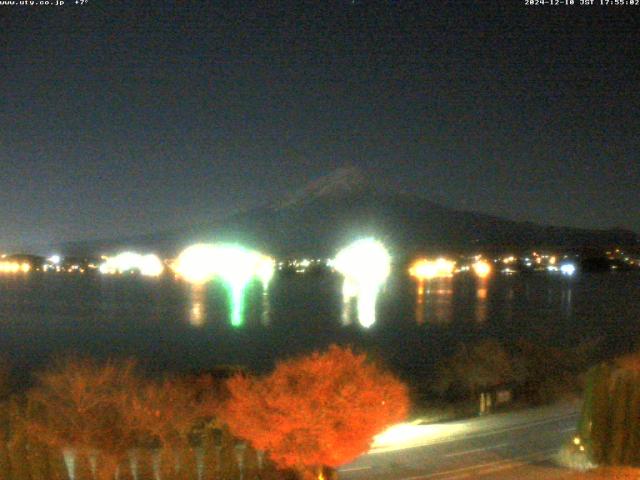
[{"x": 344, "y": 180}]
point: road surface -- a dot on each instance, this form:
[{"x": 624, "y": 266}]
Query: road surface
[{"x": 517, "y": 445}]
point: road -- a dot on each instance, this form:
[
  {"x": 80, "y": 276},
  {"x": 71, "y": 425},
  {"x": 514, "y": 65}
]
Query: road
[{"x": 517, "y": 445}]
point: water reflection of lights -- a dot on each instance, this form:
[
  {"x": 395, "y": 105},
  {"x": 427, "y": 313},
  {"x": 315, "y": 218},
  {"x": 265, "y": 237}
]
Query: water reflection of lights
[
  {"x": 349, "y": 294},
  {"x": 434, "y": 301},
  {"x": 566, "y": 299},
  {"x": 444, "y": 291},
  {"x": 427, "y": 271},
  {"x": 265, "y": 270},
  {"x": 234, "y": 265},
  {"x": 266, "y": 309},
  {"x": 482, "y": 293},
  {"x": 347, "y": 311},
  {"x": 197, "y": 308},
  {"x": 442, "y": 301},
  {"x": 420, "y": 304}
]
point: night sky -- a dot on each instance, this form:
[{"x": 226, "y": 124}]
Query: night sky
[{"x": 121, "y": 118}]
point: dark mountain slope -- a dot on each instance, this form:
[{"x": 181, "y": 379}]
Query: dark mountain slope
[{"x": 345, "y": 205}]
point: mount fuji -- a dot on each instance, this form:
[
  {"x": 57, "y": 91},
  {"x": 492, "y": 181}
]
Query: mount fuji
[{"x": 347, "y": 204}]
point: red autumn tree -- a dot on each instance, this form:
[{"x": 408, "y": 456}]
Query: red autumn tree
[
  {"x": 75, "y": 405},
  {"x": 165, "y": 413},
  {"x": 321, "y": 410}
]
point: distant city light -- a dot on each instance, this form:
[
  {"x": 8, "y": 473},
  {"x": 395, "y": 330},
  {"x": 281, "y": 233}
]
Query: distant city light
[
  {"x": 365, "y": 265},
  {"x": 14, "y": 267},
  {"x": 568, "y": 269},
  {"x": 55, "y": 259},
  {"x": 482, "y": 268},
  {"x": 196, "y": 264},
  {"x": 148, "y": 265},
  {"x": 423, "y": 269},
  {"x": 426, "y": 269}
]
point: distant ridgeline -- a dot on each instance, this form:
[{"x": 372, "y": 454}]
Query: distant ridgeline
[
  {"x": 345, "y": 205},
  {"x": 610, "y": 423}
]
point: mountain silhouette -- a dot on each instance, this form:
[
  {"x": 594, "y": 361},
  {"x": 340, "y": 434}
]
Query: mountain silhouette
[{"x": 347, "y": 204}]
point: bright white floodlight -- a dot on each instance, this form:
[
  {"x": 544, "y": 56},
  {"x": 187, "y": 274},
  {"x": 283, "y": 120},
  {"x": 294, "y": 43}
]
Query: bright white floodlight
[
  {"x": 365, "y": 265},
  {"x": 236, "y": 266},
  {"x": 196, "y": 264},
  {"x": 265, "y": 270},
  {"x": 427, "y": 269},
  {"x": 568, "y": 269},
  {"x": 148, "y": 265}
]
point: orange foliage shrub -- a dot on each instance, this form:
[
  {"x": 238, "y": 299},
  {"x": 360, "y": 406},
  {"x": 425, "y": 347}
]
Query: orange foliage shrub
[
  {"x": 165, "y": 413},
  {"x": 630, "y": 362},
  {"x": 76, "y": 405},
  {"x": 320, "y": 410},
  {"x": 105, "y": 411}
]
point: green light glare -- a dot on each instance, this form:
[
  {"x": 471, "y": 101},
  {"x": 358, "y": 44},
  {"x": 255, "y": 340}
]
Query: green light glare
[
  {"x": 236, "y": 266},
  {"x": 233, "y": 264},
  {"x": 237, "y": 299}
]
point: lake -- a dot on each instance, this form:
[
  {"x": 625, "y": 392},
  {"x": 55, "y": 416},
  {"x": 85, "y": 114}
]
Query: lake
[{"x": 168, "y": 325}]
